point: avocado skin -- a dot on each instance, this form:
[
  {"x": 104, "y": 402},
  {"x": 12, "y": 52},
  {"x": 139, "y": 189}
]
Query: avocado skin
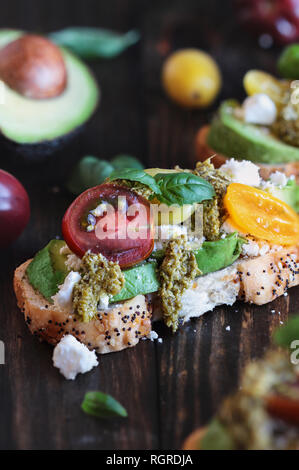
[
  {"x": 234, "y": 138},
  {"x": 41, "y": 151}
]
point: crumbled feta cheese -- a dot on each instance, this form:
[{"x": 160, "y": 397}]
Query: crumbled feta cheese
[
  {"x": 73, "y": 262},
  {"x": 164, "y": 233},
  {"x": 250, "y": 249},
  {"x": 104, "y": 301},
  {"x": 253, "y": 249},
  {"x": 64, "y": 297},
  {"x": 160, "y": 340},
  {"x": 279, "y": 179},
  {"x": 259, "y": 109},
  {"x": 227, "y": 328},
  {"x": 72, "y": 357},
  {"x": 243, "y": 172},
  {"x": 152, "y": 335}
]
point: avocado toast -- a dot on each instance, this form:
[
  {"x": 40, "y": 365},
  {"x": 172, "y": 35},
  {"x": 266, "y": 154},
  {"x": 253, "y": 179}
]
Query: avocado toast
[
  {"x": 180, "y": 243},
  {"x": 262, "y": 129}
]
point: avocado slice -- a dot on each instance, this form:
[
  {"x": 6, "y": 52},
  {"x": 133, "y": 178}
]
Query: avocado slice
[
  {"x": 31, "y": 126},
  {"x": 288, "y": 194},
  {"x": 234, "y": 138},
  {"x": 47, "y": 270}
]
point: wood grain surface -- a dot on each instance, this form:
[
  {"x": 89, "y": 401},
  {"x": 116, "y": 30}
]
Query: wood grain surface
[{"x": 168, "y": 388}]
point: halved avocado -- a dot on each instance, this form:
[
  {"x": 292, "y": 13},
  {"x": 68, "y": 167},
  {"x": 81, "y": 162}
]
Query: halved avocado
[
  {"x": 38, "y": 127},
  {"x": 234, "y": 138}
]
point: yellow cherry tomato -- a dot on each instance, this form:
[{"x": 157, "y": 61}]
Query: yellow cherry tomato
[
  {"x": 191, "y": 78},
  {"x": 155, "y": 171},
  {"x": 166, "y": 215},
  {"x": 257, "y": 81},
  {"x": 261, "y": 215}
]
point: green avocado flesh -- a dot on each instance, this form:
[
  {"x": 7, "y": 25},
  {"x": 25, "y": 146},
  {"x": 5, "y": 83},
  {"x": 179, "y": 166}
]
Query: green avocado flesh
[
  {"x": 234, "y": 138},
  {"x": 288, "y": 194},
  {"x": 27, "y": 121},
  {"x": 48, "y": 270}
]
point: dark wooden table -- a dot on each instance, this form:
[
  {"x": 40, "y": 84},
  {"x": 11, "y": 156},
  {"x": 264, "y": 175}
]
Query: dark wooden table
[{"x": 169, "y": 388}]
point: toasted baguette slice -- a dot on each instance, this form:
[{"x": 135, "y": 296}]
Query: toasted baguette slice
[
  {"x": 256, "y": 280},
  {"x": 204, "y": 151},
  {"x": 115, "y": 329}
]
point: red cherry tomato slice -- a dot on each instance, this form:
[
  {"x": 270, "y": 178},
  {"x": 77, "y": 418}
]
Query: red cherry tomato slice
[
  {"x": 284, "y": 408},
  {"x": 14, "y": 208},
  {"x": 121, "y": 228}
]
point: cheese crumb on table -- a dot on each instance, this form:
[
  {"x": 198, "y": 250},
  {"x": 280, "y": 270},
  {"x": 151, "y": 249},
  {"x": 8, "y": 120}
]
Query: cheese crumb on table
[{"x": 72, "y": 357}]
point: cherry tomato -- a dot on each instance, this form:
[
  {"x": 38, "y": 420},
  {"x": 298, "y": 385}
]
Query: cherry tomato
[
  {"x": 14, "y": 208},
  {"x": 111, "y": 220},
  {"x": 279, "y": 18},
  {"x": 284, "y": 408}
]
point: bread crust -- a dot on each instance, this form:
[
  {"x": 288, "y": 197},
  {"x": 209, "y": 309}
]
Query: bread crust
[
  {"x": 204, "y": 151},
  {"x": 113, "y": 330}
]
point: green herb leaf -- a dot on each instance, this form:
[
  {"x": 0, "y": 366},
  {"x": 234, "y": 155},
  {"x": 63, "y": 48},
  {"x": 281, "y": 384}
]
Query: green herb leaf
[
  {"x": 183, "y": 188},
  {"x": 94, "y": 43},
  {"x": 102, "y": 405},
  {"x": 126, "y": 161},
  {"x": 287, "y": 333},
  {"x": 288, "y": 62},
  {"x": 89, "y": 172},
  {"x": 216, "y": 437},
  {"x": 136, "y": 175}
]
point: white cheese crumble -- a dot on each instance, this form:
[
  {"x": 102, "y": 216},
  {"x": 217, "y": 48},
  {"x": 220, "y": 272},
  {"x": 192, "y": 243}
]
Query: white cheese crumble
[
  {"x": 259, "y": 109},
  {"x": 279, "y": 179},
  {"x": 64, "y": 297},
  {"x": 152, "y": 335},
  {"x": 243, "y": 172},
  {"x": 253, "y": 249},
  {"x": 164, "y": 233},
  {"x": 72, "y": 357}
]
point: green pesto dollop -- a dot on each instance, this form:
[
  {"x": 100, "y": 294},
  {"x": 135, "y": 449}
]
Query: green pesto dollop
[
  {"x": 178, "y": 269},
  {"x": 213, "y": 211},
  {"x": 99, "y": 278},
  {"x": 286, "y": 126},
  {"x": 136, "y": 187}
]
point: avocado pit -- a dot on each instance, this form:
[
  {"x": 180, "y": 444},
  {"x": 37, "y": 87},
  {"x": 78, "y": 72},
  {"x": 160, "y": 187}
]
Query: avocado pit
[{"x": 34, "y": 67}]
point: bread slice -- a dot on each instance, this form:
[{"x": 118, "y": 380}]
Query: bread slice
[
  {"x": 118, "y": 328},
  {"x": 204, "y": 151},
  {"x": 257, "y": 280}
]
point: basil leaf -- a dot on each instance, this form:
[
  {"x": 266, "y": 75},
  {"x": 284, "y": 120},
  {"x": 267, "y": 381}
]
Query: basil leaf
[
  {"x": 126, "y": 161},
  {"x": 89, "y": 172},
  {"x": 94, "y": 43},
  {"x": 183, "y": 188},
  {"x": 102, "y": 405},
  {"x": 287, "y": 333},
  {"x": 136, "y": 175},
  {"x": 216, "y": 437}
]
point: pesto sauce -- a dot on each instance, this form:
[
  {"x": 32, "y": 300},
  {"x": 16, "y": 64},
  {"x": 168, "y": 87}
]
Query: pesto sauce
[
  {"x": 100, "y": 277},
  {"x": 177, "y": 271}
]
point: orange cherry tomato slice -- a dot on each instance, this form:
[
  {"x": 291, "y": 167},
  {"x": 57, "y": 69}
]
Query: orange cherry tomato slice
[{"x": 258, "y": 213}]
